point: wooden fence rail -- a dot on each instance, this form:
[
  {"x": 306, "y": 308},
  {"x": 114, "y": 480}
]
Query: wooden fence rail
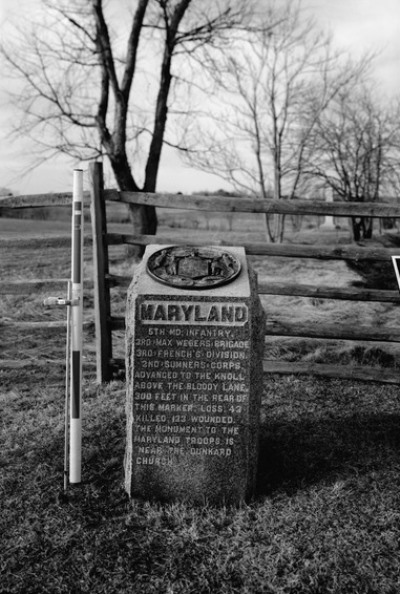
[
  {"x": 319, "y": 252},
  {"x": 248, "y": 205},
  {"x": 106, "y": 323}
]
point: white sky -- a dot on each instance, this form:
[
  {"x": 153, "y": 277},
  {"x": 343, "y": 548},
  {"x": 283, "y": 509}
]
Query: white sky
[{"x": 358, "y": 25}]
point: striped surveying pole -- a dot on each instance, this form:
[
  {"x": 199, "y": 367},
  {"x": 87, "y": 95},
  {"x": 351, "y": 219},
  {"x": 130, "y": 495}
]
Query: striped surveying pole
[
  {"x": 75, "y": 442},
  {"x": 73, "y": 364},
  {"x": 67, "y": 384}
]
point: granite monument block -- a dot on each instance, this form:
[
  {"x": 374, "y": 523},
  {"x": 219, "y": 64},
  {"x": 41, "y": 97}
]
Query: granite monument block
[{"x": 194, "y": 345}]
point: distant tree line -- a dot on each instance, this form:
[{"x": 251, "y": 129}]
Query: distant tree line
[{"x": 293, "y": 115}]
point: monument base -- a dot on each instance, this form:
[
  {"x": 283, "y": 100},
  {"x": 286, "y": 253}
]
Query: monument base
[{"x": 194, "y": 385}]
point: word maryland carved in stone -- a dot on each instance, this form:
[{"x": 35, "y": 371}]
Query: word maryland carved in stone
[{"x": 223, "y": 313}]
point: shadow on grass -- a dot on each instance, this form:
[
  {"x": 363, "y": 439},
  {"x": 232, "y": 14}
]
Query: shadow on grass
[
  {"x": 297, "y": 454},
  {"x": 293, "y": 455}
]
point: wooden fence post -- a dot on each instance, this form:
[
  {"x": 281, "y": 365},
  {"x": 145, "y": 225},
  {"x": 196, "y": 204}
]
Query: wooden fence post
[{"x": 100, "y": 273}]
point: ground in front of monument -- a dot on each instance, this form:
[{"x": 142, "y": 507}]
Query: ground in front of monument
[{"x": 325, "y": 516}]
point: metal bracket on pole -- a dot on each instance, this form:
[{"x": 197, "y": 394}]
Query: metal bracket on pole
[{"x": 60, "y": 302}]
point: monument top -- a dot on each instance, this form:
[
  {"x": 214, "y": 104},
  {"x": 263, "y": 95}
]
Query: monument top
[
  {"x": 237, "y": 262},
  {"x": 193, "y": 267}
]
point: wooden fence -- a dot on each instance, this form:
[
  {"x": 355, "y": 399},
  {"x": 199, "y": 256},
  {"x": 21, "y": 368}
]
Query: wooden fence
[
  {"x": 106, "y": 323},
  {"x": 44, "y": 286}
]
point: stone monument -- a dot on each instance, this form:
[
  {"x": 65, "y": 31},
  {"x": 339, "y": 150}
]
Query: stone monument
[{"x": 194, "y": 345}]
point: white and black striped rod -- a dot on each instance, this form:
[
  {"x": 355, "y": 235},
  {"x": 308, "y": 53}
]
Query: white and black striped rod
[{"x": 75, "y": 457}]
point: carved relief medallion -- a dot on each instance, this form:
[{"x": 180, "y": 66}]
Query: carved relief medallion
[{"x": 193, "y": 267}]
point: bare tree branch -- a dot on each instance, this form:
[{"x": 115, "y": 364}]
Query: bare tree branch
[{"x": 85, "y": 91}]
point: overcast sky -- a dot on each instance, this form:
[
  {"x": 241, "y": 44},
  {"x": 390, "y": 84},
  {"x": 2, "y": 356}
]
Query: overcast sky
[{"x": 358, "y": 25}]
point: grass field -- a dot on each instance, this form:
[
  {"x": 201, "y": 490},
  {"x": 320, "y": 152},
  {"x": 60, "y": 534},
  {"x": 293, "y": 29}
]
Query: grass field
[{"x": 326, "y": 518}]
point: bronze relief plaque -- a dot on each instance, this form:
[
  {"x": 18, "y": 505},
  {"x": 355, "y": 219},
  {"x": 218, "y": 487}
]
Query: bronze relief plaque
[{"x": 193, "y": 267}]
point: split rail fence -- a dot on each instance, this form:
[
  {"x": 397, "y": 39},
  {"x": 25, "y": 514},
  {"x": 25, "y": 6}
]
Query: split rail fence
[
  {"x": 106, "y": 323},
  {"x": 30, "y": 245}
]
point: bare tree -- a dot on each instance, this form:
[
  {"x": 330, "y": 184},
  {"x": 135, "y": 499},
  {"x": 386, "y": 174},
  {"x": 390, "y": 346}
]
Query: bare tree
[
  {"x": 357, "y": 151},
  {"x": 87, "y": 91},
  {"x": 274, "y": 85}
]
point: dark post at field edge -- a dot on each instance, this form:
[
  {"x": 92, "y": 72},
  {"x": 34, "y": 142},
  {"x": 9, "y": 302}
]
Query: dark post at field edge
[{"x": 100, "y": 273}]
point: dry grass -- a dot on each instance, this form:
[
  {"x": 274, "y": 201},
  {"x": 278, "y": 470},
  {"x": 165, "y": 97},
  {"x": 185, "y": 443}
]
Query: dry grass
[{"x": 326, "y": 518}]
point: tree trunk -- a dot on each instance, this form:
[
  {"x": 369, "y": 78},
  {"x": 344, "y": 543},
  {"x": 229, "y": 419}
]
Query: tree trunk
[
  {"x": 368, "y": 227},
  {"x": 269, "y": 220},
  {"x": 143, "y": 218},
  {"x": 356, "y": 223},
  {"x": 362, "y": 227}
]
